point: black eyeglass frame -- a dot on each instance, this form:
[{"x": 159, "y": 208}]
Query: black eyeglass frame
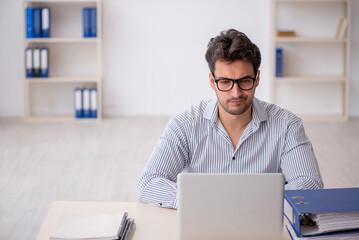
[{"x": 235, "y": 81}]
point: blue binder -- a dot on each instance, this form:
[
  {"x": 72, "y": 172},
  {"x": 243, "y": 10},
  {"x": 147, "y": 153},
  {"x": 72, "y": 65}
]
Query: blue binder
[
  {"x": 36, "y": 62},
  {"x": 298, "y": 203},
  {"x": 86, "y": 102},
  {"x": 86, "y": 22},
  {"x": 279, "y": 63},
  {"x": 29, "y": 56},
  {"x": 78, "y": 102},
  {"x": 37, "y": 22},
  {"x": 29, "y": 22},
  {"x": 45, "y": 22},
  {"x": 93, "y": 104},
  {"x": 93, "y": 22},
  {"x": 44, "y": 62}
]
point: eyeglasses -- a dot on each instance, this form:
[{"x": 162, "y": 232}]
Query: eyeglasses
[{"x": 226, "y": 84}]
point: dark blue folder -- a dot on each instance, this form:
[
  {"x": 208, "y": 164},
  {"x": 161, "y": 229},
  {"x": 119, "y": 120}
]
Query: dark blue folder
[
  {"x": 298, "y": 203},
  {"x": 29, "y": 22},
  {"x": 37, "y": 22},
  {"x": 86, "y": 22},
  {"x": 279, "y": 62},
  {"x": 93, "y": 22}
]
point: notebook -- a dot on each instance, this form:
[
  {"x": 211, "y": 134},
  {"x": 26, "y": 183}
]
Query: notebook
[{"x": 230, "y": 206}]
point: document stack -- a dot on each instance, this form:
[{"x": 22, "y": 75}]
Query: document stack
[
  {"x": 37, "y": 22},
  {"x": 37, "y": 62},
  {"x": 89, "y": 21},
  {"x": 322, "y": 213},
  {"x": 94, "y": 227},
  {"x": 85, "y": 102}
]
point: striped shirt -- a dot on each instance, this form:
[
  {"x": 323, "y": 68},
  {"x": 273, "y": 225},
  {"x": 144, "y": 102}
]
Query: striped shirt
[{"x": 196, "y": 141}]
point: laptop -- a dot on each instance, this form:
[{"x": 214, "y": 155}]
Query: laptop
[{"x": 230, "y": 206}]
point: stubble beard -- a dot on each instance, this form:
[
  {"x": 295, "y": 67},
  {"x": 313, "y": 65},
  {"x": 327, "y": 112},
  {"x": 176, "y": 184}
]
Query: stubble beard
[{"x": 237, "y": 111}]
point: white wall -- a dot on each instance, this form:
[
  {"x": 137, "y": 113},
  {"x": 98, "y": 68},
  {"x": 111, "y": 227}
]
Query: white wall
[{"x": 153, "y": 52}]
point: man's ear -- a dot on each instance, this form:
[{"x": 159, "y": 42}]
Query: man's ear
[
  {"x": 258, "y": 78},
  {"x": 211, "y": 81}
]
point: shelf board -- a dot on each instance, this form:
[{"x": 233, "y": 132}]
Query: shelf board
[
  {"x": 60, "y": 118},
  {"x": 62, "y": 40},
  {"x": 324, "y": 117},
  {"x": 311, "y": 1},
  {"x": 310, "y": 40},
  {"x": 311, "y": 79},
  {"x": 60, "y": 1},
  {"x": 67, "y": 79}
]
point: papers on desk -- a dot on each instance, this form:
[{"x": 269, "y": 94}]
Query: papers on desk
[
  {"x": 348, "y": 235},
  {"x": 331, "y": 222},
  {"x": 99, "y": 227}
]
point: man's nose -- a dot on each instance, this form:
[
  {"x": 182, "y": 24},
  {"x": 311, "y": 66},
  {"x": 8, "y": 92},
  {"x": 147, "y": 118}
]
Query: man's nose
[{"x": 236, "y": 91}]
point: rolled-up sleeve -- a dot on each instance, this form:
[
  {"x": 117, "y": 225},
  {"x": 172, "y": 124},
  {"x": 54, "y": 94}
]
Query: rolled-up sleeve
[
  {"x": 298, "y": 162},
  {"x": 157, "y": 185}
]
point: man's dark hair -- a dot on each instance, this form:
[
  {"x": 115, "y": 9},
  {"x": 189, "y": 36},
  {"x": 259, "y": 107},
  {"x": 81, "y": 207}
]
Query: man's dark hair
[{"x": 232, "y": 45}]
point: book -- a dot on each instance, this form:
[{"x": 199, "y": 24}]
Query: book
[
  {"x": 318, "y": 211},
  {"x": 279, "y": 62},
  {"x": 342, "y": 27},
  {"x": 345, "y": 235},
  {"x": 285, "y": 33},
  {"x": 99, "y": 227}
]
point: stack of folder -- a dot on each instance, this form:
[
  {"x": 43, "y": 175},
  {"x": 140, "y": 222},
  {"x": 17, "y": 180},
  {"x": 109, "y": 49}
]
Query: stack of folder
[
  {"x": 89, "y": 21},
  {"x": 322, "y": 213},
  {"x": 37, "y": 62},
  {"x": 85, "y": 102},
  {"x": 37, "y": 22}
]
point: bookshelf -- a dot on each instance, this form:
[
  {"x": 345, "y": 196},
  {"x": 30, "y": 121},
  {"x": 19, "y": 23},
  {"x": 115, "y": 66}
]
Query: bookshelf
[
  {"x": 315, "y": 62},
  {"x": 74, "y": 61}
]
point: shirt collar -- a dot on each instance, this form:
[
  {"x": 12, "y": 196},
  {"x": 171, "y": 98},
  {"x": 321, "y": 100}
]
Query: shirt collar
[{"x": 259, "y": 114}]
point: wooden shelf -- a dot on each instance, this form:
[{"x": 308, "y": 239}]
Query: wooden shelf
[
  {"x": 76, "y": 59},
  {"x": 315, "y": 62},
  {"x": 310, "y": 40},
  {"x": 310, "y": 1},
  {"x": 60, "y": 119},
  {"x": 62, "y": 40},
  {"x": 67, "y": 79},
  {"x": 60, "y": 1},
  {"x": 311, "y": 79},
  {"x": 328, "y": 118}
]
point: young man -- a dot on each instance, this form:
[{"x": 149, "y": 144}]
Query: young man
[{"x": 235, "y": 133}]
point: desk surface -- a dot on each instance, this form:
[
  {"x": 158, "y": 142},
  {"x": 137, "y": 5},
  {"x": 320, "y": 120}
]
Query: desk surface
[{"x": 151, "y": 222}]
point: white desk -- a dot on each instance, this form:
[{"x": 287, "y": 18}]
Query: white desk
[{"x": 151, "y": 222}]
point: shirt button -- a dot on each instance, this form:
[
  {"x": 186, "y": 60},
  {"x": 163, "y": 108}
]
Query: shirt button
[{"x": 233, "y": 158}]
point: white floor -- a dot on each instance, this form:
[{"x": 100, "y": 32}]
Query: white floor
[{"x": 101, "y": 161}]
